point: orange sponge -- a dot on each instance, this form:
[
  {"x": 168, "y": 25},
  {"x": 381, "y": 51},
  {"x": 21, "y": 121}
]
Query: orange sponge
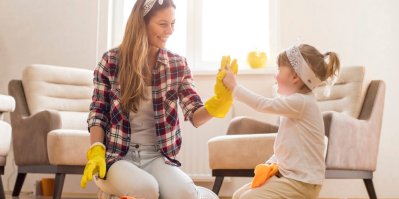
[{"x": 262, "y": 173}]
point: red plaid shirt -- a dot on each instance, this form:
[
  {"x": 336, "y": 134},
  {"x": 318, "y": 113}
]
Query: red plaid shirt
[{"x": 171, "y": 80}]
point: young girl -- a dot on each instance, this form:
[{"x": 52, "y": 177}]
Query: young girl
[{"x": 299, "y": 145}]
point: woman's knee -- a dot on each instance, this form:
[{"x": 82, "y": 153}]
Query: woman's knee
[
  {"x": 146, "y": 188},
  {"x": 125, "y": 179},
  {"x": 236, "y": 195},
  {"x": 145, "y": 191},
  {"x": 187, "y": 191}
]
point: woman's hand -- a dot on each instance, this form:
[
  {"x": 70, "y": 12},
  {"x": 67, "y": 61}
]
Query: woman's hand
[
  {"x": 95, "y": 164},
  {"x": 220, "y": 103}
]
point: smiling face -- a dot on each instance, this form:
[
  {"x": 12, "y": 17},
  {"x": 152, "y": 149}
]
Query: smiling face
[{"x": 160, "y": 27}]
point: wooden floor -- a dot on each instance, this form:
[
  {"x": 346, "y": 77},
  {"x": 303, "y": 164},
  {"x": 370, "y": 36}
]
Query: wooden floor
[
  {"x": 31, "y": 196},
  {"x": 38, "y": 197}
]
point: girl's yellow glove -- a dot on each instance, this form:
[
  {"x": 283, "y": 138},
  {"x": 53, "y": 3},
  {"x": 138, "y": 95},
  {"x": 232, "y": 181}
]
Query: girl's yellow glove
[
  {"x": 262, "y": 173},
  {"x": 220, "y": 103},
  {"x": 95, "y": 163}
]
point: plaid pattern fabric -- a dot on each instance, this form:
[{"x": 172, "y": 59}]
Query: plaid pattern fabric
[{"x": 171, "y": 82}]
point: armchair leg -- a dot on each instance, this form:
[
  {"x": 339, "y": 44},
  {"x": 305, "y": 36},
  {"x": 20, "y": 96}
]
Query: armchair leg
[
  {"x": 59, "y": 184},
  {"x": 217, "y": 184},
  {"x": 18, "y": 184},
  {"x": 370, "y": 188},
  {"x": 2, "y": 194}
]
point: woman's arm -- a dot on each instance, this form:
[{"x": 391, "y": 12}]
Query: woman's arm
[
  {"x": 96, "y": 134},
  {"x": 97, "y": 120},
  {"x": 201, "y": 116}
]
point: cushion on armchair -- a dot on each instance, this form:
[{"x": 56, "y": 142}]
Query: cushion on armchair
[
  {"x": 347, "y": 94},
  {"x": 64, "y": 89},
  {"x": 73, "y": 141},
  {"x": 5, "y": 140},
  {"x": 7, "y": 104},
  {"x": 240, "y": 151}
]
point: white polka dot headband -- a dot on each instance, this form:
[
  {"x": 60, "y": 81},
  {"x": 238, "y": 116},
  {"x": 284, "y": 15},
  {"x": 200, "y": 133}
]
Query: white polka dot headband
[
  {"x": 148, "y": 4},
  {"x": 302, "y": 68}
]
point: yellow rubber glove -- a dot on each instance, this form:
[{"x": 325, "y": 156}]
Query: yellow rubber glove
[
  {"x": 95, "y": 163},
  {"x": 262, "y": 173},
  {"x": 220, "y": 103}
]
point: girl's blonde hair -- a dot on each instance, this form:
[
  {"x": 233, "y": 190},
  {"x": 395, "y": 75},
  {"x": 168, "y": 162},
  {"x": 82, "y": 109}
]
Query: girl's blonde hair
[
  {"x": 132, "y": 63},
  {"x": 316, "y": 61}
]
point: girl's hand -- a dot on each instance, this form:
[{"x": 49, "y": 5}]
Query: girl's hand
[{"x": 229, "y": 79}]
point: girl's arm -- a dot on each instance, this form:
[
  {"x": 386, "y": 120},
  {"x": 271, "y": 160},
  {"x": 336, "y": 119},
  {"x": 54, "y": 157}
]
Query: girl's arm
[{"x": 291, "y": 106}]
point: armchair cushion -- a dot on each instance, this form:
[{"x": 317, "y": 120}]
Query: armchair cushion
[
  {"x": 7, "y": 103},
  {"x": 65, "y": 146},
  {"x": 248, "y": 143},
  {"x": 347, "y": 94},
  {"x": 249, "y": 125},
  {"x": 5, "y": 140},
  {"x": 240, "y": 151},
  {"x": 63, "y": 89}
]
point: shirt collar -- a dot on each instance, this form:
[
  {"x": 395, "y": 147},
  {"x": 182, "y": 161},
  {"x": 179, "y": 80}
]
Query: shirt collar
[{"x": 162, "y": 57}]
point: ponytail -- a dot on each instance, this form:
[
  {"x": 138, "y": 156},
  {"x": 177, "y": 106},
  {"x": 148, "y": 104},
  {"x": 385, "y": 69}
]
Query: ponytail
[
  {"x": 317, "y": 61},
  {"x": 332, "y": 66}
]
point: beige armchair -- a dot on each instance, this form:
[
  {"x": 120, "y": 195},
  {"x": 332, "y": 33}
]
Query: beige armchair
[
  {"x": 7, "y": 104},
  {"x": 352, "y": 117},
  {"x": 49, "y": 124}
]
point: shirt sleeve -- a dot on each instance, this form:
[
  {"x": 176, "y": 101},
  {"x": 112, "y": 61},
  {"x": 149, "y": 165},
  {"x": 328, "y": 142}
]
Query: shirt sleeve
[
  {"x": 189, "y": 99},
  {"x": 290, "y": 106},
  {"x": 100, "y": 105}
]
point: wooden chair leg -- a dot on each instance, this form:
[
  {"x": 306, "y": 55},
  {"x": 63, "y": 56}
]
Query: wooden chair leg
[
  {"x": 18, "y": 184},
  {"x": 2, "y": 194},
  {"x": 217, "y": 184},
  {"x": 370, "y": 188},
  {"x": 59, "y": 184}
]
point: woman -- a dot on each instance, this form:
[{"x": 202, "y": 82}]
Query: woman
[{"x": 133, "y": 121}]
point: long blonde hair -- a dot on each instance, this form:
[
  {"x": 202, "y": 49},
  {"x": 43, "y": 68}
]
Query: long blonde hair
[
  {"x": 133, "y": 50},
  {"x": 316, "y": 61}
]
